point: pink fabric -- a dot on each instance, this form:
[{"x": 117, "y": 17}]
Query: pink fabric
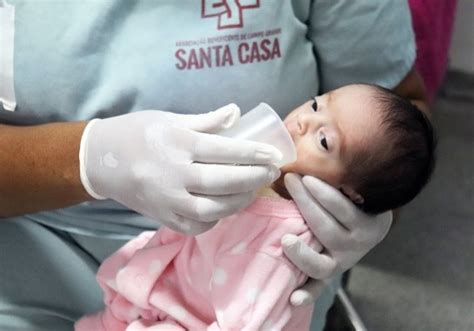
[
  {"x": 433, "y": 24},
  {"x": 233, "y": 277}
]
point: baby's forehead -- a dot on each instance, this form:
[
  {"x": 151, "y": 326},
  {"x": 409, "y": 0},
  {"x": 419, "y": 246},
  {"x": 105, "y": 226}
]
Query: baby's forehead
[
  {"x": 361, "y": 89},
  {"x": 360, "y": 119}
]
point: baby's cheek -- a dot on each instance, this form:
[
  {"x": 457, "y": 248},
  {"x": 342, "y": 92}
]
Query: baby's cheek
[
  {"x": 288, "y": 168},
  {"x": 325, "y": 169},
  {"x": 302, "y": 155},
  {"x": 306, "y": 162},
  {"x": 301, "y": 166}
]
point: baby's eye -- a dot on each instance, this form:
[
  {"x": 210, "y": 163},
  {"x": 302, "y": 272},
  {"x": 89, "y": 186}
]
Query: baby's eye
[
  {"x": 314, "y": 105},
  {"x": 323, "y": 141}
]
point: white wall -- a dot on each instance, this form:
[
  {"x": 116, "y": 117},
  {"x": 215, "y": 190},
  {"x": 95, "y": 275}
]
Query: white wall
[{"x": 462, "y": 44}]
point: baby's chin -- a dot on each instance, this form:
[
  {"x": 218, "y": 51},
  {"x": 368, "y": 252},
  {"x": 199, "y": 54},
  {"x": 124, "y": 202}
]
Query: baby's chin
[
  {"x": 279, "y": 185},
  {"x": 290, "y": 167}
]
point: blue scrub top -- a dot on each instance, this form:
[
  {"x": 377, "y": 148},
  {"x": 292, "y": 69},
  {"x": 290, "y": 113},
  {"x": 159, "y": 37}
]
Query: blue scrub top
[{"x": 78, "y": 60}]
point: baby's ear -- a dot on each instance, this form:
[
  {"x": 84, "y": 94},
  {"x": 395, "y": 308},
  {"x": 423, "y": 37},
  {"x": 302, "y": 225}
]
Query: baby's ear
[{"x": 352, "y": 194}]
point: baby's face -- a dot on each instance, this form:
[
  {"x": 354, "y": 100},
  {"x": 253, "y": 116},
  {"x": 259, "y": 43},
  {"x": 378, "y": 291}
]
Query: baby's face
[{"x": 329, "y": 130}]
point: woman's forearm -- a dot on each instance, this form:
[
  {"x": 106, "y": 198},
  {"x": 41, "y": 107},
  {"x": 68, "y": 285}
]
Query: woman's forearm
[
  {"x": 412, "y": 87},
  {"x": 39, "y": 167}
]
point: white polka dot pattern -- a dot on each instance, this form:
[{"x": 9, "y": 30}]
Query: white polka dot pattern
[
  {"x": 110, "y": 161},
  {"x": 134, "y": 313},
  {"x": 178, "y": 312},
  {"x": 251, "y": 294},
  {"x": 219, "y": 277},
  {"x": 239, "y": 248},
  {"x": 268, "y": 326},
  {"x": 219, "y": 315},
  {"x": 112, "y": 284},
  {"x": 155, "y": 266}
]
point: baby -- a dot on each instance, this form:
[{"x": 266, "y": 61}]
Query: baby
[{"x": 374, "y": 146}]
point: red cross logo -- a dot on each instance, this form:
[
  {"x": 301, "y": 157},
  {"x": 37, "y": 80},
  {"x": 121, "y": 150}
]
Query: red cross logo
[{"x": 229, "y": 12}]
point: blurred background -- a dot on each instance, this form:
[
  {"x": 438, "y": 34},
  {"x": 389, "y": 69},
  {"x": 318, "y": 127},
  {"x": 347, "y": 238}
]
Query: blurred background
[{"x": 421, "y": 277}]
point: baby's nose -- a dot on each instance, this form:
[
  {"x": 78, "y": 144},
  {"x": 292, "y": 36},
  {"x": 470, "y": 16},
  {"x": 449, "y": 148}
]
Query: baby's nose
[{"x": 307, "y": 122}]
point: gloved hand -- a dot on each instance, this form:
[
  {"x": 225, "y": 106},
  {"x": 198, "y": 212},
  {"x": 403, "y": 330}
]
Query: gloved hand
[
  {"x": 344, "y": 234},
  {"x": 168, "y": 167}
]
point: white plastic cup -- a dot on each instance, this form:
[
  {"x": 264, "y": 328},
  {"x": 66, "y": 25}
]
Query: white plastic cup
[{"x": 262, "y": 124}]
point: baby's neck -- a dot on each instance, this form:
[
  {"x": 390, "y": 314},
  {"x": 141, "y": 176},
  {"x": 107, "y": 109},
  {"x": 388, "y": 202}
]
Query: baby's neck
[{"x": 276, "y": 189}]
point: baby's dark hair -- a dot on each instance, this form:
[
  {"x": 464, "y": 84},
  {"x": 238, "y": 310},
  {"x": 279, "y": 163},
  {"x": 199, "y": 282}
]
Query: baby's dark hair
[{"x": 393, "y": 177}]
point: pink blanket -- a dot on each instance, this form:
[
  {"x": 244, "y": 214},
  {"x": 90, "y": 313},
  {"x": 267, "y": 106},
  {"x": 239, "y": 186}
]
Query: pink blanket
[{"x": 233, "y": 277}]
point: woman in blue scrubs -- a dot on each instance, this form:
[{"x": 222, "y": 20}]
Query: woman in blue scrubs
[{"x": 64, "y": 63}]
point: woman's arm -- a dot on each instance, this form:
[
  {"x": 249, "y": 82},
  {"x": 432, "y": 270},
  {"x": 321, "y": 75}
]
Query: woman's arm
[
  {"x": 413, "y": 88},
  {"x": 39, "y": 168},
  {"x": 163, "y": 165}
]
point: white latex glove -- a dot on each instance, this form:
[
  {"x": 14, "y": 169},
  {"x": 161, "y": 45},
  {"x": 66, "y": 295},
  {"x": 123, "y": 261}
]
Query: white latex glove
[
  {"x": 344, "y": 234},
  {"x": 168, "y": 167}
]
